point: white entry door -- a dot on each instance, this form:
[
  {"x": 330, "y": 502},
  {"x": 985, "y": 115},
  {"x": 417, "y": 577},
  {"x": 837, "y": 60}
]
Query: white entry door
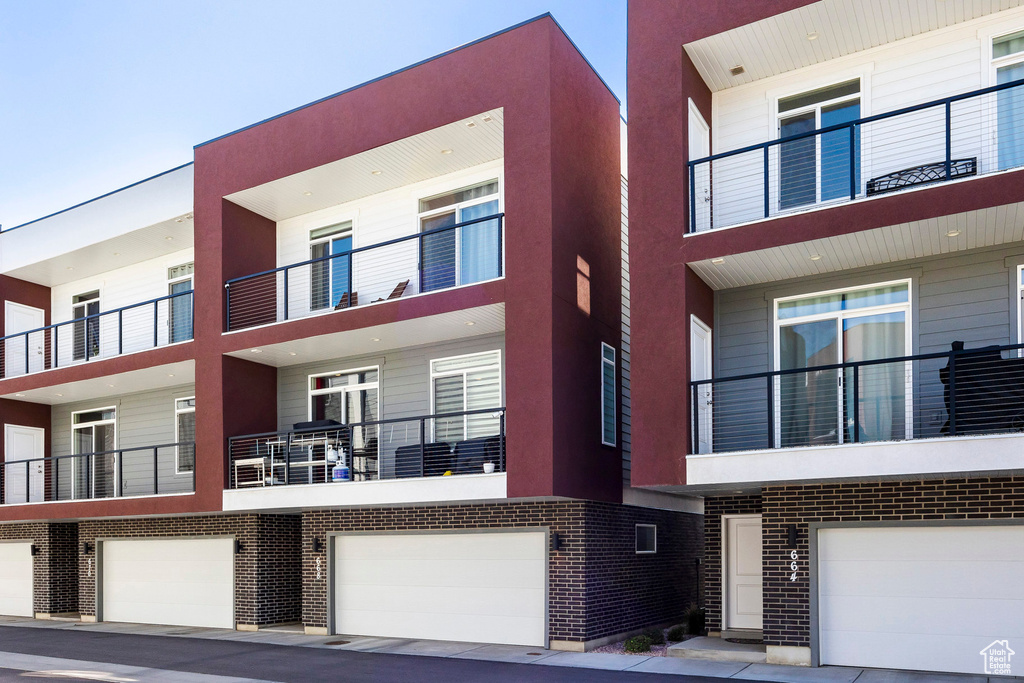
[
  {"x": 20, "y": 358},
  {"x": 24, "y": 481},
  {"x": 921, "y": 598},
  {"x": 475, "y": 587},
  {"x": 169, "y": 581},
  {"x": 743, "y": 575},
  {"x": 16, "y": 579},
  {"x": 700, "y": 369}
]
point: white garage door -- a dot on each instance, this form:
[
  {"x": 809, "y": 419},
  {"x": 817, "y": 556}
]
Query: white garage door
[
  {"x": 175, "y": 581},
  {"x": 16, "y": 579},
  {"x": 923, "y": 598},
  {"x": 477, "y": 587}
]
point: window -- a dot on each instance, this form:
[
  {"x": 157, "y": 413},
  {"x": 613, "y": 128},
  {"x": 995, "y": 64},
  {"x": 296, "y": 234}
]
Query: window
[
  {"x": 817, "y": 407},
  {"x": 179, "y": 316},
  {"x": 330, "y": 279},
  {"x": 185, "y": 435},
  {"x": 461, "y": 384},
  {"x": 607, "y": 395},
  {"x": 85, "y": 311},
  {"x": 1008, "y": 64},
  {"x": 817, "y": 168},
  {"x": 349, "y": 396},
  {"x": 94, "y": 437},
  {"x": 463, "y": 255},
  {"x": 646, "y": 539}
]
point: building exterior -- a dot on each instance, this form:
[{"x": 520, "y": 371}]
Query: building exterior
[
  {"x": 825, "y": 229},
  {"x": 357, "y": 367}
]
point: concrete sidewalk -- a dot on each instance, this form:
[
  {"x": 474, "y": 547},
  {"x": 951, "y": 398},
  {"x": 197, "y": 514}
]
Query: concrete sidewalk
[{"x": 522, "y": 654}]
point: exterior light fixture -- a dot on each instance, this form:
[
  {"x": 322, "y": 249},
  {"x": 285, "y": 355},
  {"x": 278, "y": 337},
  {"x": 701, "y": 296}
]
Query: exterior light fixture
[
  {"x": 446, "y": 151},
  {"x": 737, "y": 70},
  {"x": 952, "y": 233},
  {"x": 718, "y": 261},
  {"x": 815, "y": 257},
  {"x": 813, "y": 35}
]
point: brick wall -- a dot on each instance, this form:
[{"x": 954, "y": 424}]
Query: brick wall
[
  {"x": 54, "y": 579},
  {"x": 591, "y": 578},
  {"x": 714, "y": 508},
  {"x": 787, "y": 603},
  {"x": 267, "y": 581}
]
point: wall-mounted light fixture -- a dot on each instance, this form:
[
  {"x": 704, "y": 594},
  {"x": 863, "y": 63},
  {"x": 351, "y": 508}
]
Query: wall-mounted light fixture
[
  {"x": 792, "y": 533},
  {"x": 87, "y": 547},
  {"x": 556, "y": 542},
  {"x": 318, "y": 546},
  {"x": 239, "y": 548},
  {"x": 34, "y": 549}
]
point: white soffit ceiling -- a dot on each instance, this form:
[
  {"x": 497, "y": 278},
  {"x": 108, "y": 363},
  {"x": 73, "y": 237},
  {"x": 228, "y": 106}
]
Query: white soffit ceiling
[
  {"x": 780, "y": 43},
  {"x": 983, "y": 228},
  {"x": 99, "y": 388},
  {"x": 488, "y": 319},
  {"x": 402, "y": 162}
]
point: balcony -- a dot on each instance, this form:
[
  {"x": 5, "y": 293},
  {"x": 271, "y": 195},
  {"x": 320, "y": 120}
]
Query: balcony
[
  {"x": 974, "y": 133},
  {"x": 127, "y": 472},
  {"x": 138, "y": 327},
  {"x": 429, "y": 261},
  {"x": 962, "y": 392},
  {"x": 440, "y": 445}
]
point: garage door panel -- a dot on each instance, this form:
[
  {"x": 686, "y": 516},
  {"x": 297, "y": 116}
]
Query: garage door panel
[
  {"x": 438, "y": 572},
  {"x": 16, "y": 579},
  {"x": 478, "y": 587},
  {"x": 450, "y": 600},
  {"x": 925, "y": 598},
  {"x": 172, "y": 581},
  {"x": 903, "y": 579}
]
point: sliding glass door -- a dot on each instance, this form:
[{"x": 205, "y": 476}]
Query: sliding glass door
[{"x": 820, "y": 405}]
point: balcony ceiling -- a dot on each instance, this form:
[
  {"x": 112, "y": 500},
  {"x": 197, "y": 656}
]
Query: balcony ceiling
[
  {"x": 402, "y": 162},
  {"x": 111, "y": 386},
  {"x": 977, "y": 229},
  {"x": 487, "y": 319},
  {"x": 780, "y": 43}
]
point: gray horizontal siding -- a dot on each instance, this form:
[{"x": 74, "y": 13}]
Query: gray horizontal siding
[
  {"x": 143, "y": 419},
  {"x": 404, "y": 377},
  {"x": 626, "y": 417}
]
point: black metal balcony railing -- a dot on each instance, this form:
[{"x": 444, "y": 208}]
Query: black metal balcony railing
[
  {"x": 427, "y": 261},
  {"x": 141, "y": 471},
  {"x": 973, "y": 133},
  {"x": 471, "y": 442},
  {"x": 955, "y": 393},
  {"x": 138, "y": 327}
]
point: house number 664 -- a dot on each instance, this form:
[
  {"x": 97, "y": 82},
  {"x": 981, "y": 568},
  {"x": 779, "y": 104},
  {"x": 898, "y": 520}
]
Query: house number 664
[{"x": 793, "y": 556}]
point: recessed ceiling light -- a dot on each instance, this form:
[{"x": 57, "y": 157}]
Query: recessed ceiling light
[
  {"x": 813, "y": 35},
  {"x": 256, "y": 350},
  {"x": 117, "y": 253},
  {"x": 374, "y": 172},
  {"x": 737, "y": 70},
  {"x": 19, "y": 394},
  {"x": 470, "y": 124},
  {"x": 470, "y": 323},
  {"x": 718, "y": 261},
  {"x": 188, "y": 217},
  {"x": 58, "y": 394},
  {"x": 170, "y": 375},
  {"x": 952, "y": 233},
  {"x": 111, "y": 386},
  {"x": 292, "y": 353},
  {"x": 487, "y": 119},
  {"x": 70, "y": 268},
  {"x": 169, "y": 238},
  {"x": 446, "y": 151},
  {"x": 307, "y": 193},
  {"x": 179, "y": 220},
  {"x": 375, "y": 339},
  {"x": 815, "y": 257}
]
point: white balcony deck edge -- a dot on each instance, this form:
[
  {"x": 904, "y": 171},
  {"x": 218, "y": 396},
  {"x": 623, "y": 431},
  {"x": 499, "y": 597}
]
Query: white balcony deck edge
[
  {"x": 927, "y": 458},
  {"x": 462, "y": 487},
  {"x": 109, "y": 499}
]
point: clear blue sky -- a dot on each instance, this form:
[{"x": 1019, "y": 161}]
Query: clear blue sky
[{"x": 97, "y": 94}]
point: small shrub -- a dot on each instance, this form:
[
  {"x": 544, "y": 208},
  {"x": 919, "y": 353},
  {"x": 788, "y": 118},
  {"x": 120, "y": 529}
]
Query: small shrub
[
  {"x": 656, "y": 635},
  {"x": 640, "y": 643},
  {"x": 677, "y": 632},
  {"x": 694, "y": 618}
]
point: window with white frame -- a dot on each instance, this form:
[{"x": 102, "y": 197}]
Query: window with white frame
[
  {"x": 816, "y": 168},
  {"x": 461, "y": 384},
  {"x": 185, "y": 435},
  {"x": 330, "y": 279},
  {"x": 347, "y": 397},
  {"x": 463, "y": 255},
  {"x": 646, "y": 539},
  {"x": 608, "y": 393},
  {"x": 1008, "y": 66},
  {"x": 818, "y": 407}
]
